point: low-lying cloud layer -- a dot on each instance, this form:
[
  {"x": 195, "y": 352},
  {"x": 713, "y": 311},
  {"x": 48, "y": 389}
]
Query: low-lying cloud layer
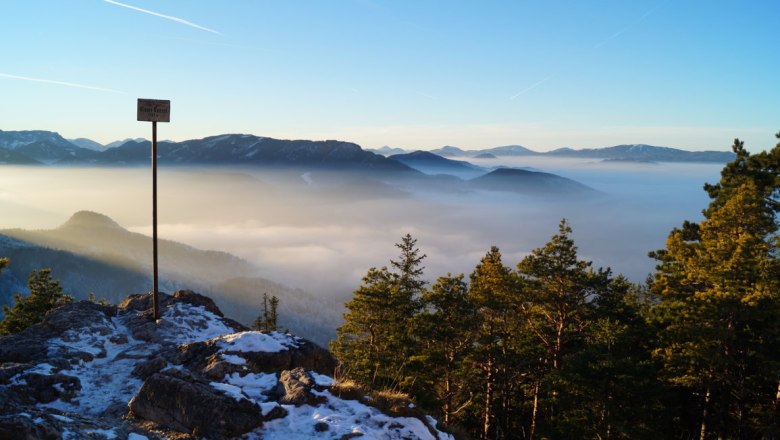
[{"x": 323, "y": 238}]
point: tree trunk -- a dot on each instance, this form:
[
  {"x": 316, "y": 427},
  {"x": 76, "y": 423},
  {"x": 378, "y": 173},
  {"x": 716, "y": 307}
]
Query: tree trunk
[
  {"x": 703, "y": 431},
  {"x": 534, "y": 412},
  {"x": 487, "y": 426},
  {"x": 447, "y": 396}
]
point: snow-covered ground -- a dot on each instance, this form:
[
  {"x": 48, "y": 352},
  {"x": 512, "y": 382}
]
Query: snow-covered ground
[{"x": 107, "y": 353}]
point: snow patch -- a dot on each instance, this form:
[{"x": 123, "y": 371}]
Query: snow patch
[
  {"x": 233, "y": 359},
  {"x": 267, "y": 407},
  {"x": 231, "y": 390},
  {"x": 253, "y": 385},
  {"x": 257, "y": 341},
  {"x": 321, "y": 379},
  {"x": 62, "y": 418},
  {"x": 184, "y": 323},
  {"x": 106, "y": 379},
  {"x": 44, "y": 369},
  {"x": 110, "y": 434},
  {"x": 343, "y": 417}
]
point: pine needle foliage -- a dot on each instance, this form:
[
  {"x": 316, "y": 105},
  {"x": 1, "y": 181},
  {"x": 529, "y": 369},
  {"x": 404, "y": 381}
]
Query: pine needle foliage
[{"x": 45, "y": 294}]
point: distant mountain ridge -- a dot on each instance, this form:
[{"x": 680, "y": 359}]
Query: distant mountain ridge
[
  {"x": 507, "y": 150},
  {"x": 529, "y": 183},
  {"x": 431, "y": 163},
  {"x": 91, "y": 253},
  {"x": 42, "y": 147},
  {"x": 37, "y": 147},
  {"x": 629, "y": 152},
  {"x": 643, "y": 152}
]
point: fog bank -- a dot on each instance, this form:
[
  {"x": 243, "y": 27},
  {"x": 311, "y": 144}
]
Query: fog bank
[{"x": 320, "y": 233}]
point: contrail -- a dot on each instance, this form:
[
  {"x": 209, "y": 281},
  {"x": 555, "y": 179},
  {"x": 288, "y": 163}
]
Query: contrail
[
  {"x": 167, "y": 17},
  {"x": 531, "y": 87},
  {"x": 60, "y": 83},
  {"x": 620, "y": 32}
]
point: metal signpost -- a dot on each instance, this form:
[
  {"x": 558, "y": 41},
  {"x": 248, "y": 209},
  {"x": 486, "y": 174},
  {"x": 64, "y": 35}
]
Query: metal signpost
[{"x": 154, "y": 110}]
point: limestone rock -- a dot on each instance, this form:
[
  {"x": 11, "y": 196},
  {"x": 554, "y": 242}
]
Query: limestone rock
[{"x": 180, "y": 402}]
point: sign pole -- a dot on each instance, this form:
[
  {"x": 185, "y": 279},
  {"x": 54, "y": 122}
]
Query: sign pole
[
  {"x": 154, "y": 221},
  {"x": 154, "y": 110}
]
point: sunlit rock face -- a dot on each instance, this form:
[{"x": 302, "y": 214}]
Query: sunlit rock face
[{"x": 104, "y": 371}]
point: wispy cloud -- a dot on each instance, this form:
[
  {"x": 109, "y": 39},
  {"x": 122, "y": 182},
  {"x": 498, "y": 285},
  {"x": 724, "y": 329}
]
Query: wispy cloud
[
  {"x": 59, "y": 83},
  {"x": 529, "y": 88},
  {"x": 167, "y": 17}
]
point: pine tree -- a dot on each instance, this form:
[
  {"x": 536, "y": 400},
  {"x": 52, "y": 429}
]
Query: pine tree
[
  {"x": 556, "y": 309},
  {"x": 45, "y": 294},
  {"x": 267, "y": 321},
  {"x": 494, "y": 293},
  {"x": 446, "y": 329},
  {"x": 376, "y": 341},
  {"x": 719, "y": 286},
  {"x": 609, "y": 386},
  {"x": 272, "y": 324}
]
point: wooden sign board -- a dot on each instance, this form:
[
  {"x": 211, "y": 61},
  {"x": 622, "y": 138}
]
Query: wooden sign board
[{"x": 154, "y": 110}]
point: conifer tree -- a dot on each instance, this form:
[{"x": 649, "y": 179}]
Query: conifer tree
[
  {"x": 556, "y": 309},
  {"x": 267, "y": 321},
  {"x": 609, "y": 386},
  {"x": 45, "y": 294},
  {"x": 273, "y": 316},
  {"x": 493, "y": 292},
  {"x": 445, "y": 329},
  {"x": 376, "y": 341},
  {"x": 719, "y": 286}
]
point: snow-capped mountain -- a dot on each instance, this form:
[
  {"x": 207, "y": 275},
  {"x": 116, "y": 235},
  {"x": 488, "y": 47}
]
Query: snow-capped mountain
[
  {"x": 642, "y": 152},
  {"x": 41, "y": 146}
]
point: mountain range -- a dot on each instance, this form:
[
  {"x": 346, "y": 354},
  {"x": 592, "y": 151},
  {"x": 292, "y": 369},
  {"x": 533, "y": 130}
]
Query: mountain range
[
  {"x": 440, "y": 170},
  {"x": 416, "y": 170},
  {"x": 46, "y": 147},
  {"x": 632, "y": 152}
]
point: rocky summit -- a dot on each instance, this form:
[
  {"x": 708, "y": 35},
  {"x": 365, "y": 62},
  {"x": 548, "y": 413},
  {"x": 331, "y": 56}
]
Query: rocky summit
[{"x": 92, "y": 371}]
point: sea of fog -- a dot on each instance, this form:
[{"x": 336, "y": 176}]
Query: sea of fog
[{"x": 323, "y": 238}]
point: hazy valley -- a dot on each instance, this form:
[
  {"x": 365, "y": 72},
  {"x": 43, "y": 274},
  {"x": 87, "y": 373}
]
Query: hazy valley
[{"x": 307, "y": 225}]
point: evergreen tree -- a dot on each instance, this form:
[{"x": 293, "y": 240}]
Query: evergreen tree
[
  {"x": 445, "y": 329},
  {"x": 273, "y": 317},
  {"x": 558, "y": 287},
  {"x": 267, "y": 321},
  {"x": 376, "y": 341},
  {"x": 45, "y": 294},
  {"x": 719, "y": 286},
  {"x": 609, "y": 386},
  {"x": 493, "y": 292}
]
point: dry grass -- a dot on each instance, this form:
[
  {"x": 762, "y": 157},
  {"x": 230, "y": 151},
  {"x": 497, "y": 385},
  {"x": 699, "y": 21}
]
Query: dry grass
[
  {"x": 348, "y": 389},
  {"x": 394, "y": 403}
]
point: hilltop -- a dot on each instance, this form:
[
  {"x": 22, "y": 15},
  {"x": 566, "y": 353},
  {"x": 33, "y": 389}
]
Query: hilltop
[
  {"x": 92, "y": 253},
  {"x": 92, "y": 371}
]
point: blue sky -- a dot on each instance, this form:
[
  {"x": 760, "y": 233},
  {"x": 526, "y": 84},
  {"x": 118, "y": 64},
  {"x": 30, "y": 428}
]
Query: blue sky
[{"x": 413, "y": 74}]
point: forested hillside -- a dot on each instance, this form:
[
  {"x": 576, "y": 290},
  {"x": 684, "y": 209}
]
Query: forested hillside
[{"x": 552, "y": 347}]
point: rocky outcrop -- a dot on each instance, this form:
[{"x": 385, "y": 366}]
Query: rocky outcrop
[
  {"x": 31, "y": 344},
  {"x": 179, "y": 401},
  {"x": 296, "y": 388},
  {"x": 90, "y": 371},
  {"x": 208, "y": 358}
]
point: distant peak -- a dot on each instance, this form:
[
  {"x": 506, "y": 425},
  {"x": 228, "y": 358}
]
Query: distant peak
[{"x": 89, "y": 219}]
